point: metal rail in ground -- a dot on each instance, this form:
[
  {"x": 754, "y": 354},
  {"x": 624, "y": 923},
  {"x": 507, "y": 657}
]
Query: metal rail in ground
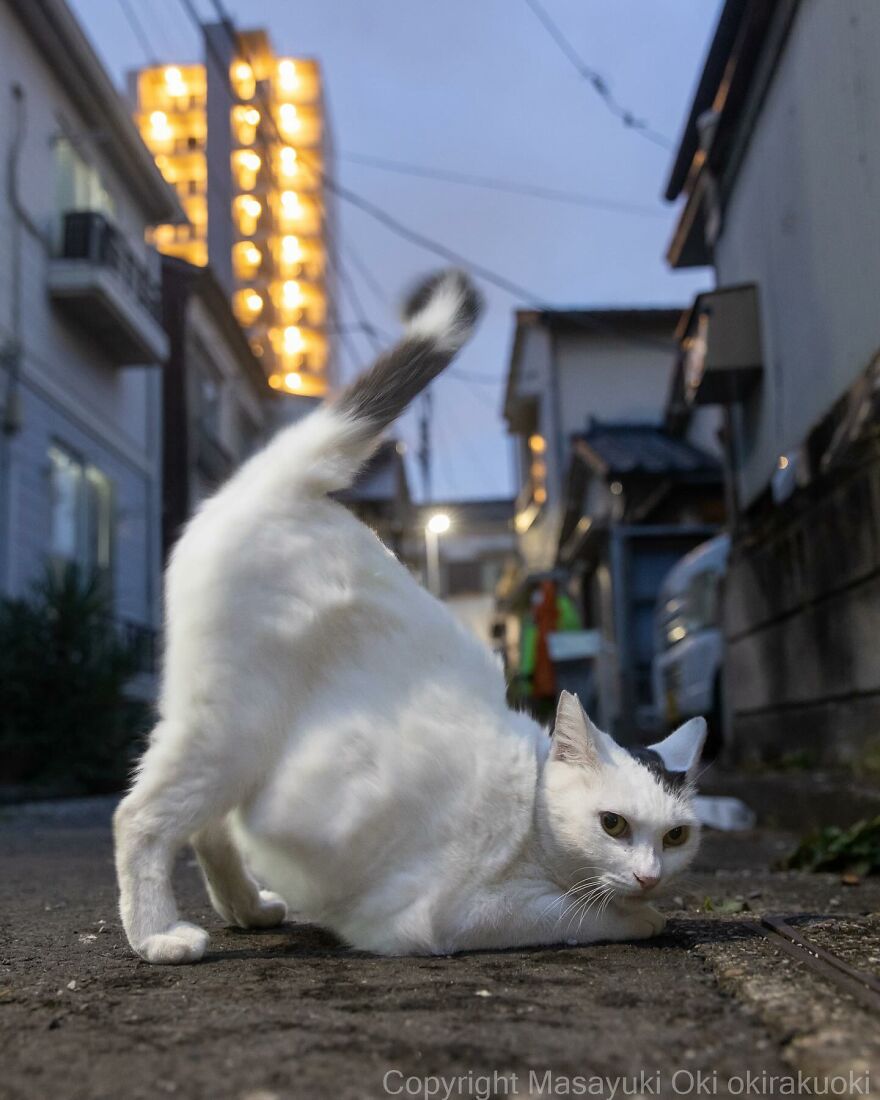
[{"x": 860, "y": 984}]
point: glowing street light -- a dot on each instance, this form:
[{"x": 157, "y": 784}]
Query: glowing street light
[{"x": 438, "y": 524}]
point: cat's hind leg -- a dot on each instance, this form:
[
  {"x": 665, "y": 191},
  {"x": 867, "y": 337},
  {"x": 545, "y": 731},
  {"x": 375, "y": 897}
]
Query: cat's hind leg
[
  {"x": 183, "y": 783},
  {"x": 234, "y": 894}
]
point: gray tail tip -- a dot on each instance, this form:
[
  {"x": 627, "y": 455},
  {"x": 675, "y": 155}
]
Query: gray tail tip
[{"x": 443, "y": 307}]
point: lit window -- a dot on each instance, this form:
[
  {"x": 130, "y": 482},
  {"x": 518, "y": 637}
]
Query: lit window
[
  {"x": 243, "y": 80},
  {"x": 288, "y": 119},
  {"x": 293, "y": 340},
  {"x": 248, "y": 306},
  {"x": 291, "y": 251},
  {"x": 247, "y": 165},
  {"x": 246, "y": 259},
  {"x": 291, "y": 208},
  {"x": 160, "y": 134},
  {"x": 287, "y": 158},
  {"x": 245, "y": 121},
  {"x": 247, "y": 211},
  {"x": 288, "y": 78},
  {"x": 174, "y": 82},
  {"x": 291, "y": 295}
]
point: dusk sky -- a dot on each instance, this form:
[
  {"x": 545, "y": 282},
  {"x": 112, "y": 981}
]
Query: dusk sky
[{"x": 478, "y": 86}]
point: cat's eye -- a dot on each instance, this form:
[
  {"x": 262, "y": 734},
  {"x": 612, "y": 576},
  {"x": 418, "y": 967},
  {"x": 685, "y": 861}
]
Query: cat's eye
[
  {"x": 676, "y": 837},
  {"x": 613, "y": 824}
]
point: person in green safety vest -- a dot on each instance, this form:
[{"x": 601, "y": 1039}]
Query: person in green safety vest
[{"x": 551, "y": 611}]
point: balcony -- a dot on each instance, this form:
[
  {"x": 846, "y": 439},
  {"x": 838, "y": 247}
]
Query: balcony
[{"x": 108, "y": 291}]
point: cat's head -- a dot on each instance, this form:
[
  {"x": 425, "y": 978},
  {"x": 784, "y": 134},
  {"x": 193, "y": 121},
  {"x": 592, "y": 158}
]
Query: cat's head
[{"x": 616, "y": 820}]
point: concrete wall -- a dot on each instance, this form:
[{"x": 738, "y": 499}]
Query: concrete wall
[
  {"x": 802, "y": 223},
  {"x": 70, "y": 393},
  {"x": 802, "y": 612}
]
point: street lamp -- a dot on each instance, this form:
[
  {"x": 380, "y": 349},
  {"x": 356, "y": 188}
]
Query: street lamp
[{"x": 438, "y": 524}]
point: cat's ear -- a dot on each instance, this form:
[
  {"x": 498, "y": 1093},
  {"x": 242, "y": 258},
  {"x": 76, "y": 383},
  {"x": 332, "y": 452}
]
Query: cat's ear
[
  {"x": 575, "y": 738},
  {"x": 680, "y": 751}
]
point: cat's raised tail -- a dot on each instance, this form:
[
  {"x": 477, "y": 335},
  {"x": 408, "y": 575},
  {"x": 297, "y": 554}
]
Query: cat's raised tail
[
  {"x": 440, "y": 316},
  {"x": 324, "y": 452}
]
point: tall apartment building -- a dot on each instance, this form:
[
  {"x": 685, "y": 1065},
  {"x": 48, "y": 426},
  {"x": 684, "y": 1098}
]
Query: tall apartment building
[{"x": 242, "y": 136}]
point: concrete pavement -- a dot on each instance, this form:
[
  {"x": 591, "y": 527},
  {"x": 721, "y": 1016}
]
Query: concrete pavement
[{"x": 709, "y": 1008}]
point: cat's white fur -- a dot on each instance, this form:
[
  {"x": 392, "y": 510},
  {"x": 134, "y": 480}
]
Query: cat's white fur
[{"x": 328, "y": 727}]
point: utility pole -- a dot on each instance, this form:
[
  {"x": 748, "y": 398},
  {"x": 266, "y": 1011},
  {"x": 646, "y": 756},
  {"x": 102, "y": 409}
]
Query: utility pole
[{"x": 425, "y": 421}]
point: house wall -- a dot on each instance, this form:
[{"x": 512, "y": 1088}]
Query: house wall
[
  {"x": 802, "y": 603},
  {"x": 70, "y": 392},
  {"x": 595, "y": 376},
  {"x": 802, "y": 224},
  {"x": 242, "y": 415}
]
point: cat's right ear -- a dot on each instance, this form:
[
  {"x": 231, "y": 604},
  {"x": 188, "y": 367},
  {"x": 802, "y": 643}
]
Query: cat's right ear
[{"x": 575, "y": 738}]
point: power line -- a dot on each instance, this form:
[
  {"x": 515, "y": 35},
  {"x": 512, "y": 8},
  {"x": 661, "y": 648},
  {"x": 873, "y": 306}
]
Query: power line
[
  {"x": 490, "y": 183},
  {"x": 367, "y": 328},
  {"x": 139, "y": 31},
  {"x": 517, "y": 291},
  {"x": 595, "y": 79},
  {"x": 473, "y": 376},
  {"x": 368, "y": 277}
]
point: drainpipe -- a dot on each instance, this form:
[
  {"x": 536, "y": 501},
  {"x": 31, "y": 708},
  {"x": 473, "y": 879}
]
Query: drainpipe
[{"x": 10, "y": 353}]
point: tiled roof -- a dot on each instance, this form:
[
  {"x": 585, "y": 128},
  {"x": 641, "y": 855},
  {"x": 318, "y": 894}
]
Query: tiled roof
[{"x": 623, "y": 449}]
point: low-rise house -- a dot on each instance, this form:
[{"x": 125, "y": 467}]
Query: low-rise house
[
  {"x": 616, "y": 485},
  {"x": 80, "y": 319},
  {"x": 567, "y": 366},
  {"x": 778, "y": 167},
  {"x": 637, "y": 499}
]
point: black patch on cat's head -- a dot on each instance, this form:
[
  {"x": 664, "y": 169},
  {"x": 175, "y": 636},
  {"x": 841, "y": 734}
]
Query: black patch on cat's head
[{"x": 673, "y": 782}]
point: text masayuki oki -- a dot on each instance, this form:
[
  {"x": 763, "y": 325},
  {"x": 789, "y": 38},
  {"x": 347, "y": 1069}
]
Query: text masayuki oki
[{"x": 682, "y": 1082}]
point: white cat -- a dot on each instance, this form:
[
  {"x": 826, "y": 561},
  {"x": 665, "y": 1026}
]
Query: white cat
[{"x": 326, "y": 723}]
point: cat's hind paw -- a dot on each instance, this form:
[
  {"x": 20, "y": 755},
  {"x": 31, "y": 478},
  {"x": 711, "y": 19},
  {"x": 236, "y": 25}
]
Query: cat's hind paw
[
  {"x": 269, "y": 912},
  {"x": 182, "y": 943}
]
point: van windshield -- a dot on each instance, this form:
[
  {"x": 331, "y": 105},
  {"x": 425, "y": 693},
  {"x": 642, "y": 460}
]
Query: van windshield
[{"x": 695, "y": 607}]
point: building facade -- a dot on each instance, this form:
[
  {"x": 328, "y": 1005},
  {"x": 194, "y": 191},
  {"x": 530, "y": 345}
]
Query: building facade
[
  {"x": 215, "y": 405},
  {"x": 243, "y": 137},
  {"x": 80, "y": 319},
  {"x": 568, "y": 367},
  {"x": 615, "y": 488},
  {"x": 778, "y": 171}
]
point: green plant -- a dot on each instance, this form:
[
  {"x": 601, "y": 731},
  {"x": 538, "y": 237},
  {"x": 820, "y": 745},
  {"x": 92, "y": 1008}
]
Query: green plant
[
  {"x": 855, "y": 850},
  {"x": 65, "y": 720}
]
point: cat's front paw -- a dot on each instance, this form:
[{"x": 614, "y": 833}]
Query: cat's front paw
[
  {"x": 647, "y": 922},
  {"x": 182, "y": 943}
]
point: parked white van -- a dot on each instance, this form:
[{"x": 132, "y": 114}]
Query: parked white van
[{"x": 688, "y": 640}]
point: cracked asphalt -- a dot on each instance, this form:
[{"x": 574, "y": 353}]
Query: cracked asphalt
[{"x": 709, "y": 1008}]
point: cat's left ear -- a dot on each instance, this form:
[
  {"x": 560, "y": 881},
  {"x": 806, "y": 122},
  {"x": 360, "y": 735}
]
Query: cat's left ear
[
  {"x": 575, "y": 738},
  {"x": 680, "y": 751}
]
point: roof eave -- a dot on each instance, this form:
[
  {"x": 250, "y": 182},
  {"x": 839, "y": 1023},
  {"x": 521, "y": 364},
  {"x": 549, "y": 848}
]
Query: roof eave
[{"x": 717, "y": 56}]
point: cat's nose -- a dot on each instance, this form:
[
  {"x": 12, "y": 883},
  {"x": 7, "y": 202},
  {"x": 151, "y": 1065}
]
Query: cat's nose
[{"x": 646, "y": 881}]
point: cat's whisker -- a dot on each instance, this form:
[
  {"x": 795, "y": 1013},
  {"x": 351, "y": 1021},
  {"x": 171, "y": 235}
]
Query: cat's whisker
[{"x": 582, "y": 908}]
